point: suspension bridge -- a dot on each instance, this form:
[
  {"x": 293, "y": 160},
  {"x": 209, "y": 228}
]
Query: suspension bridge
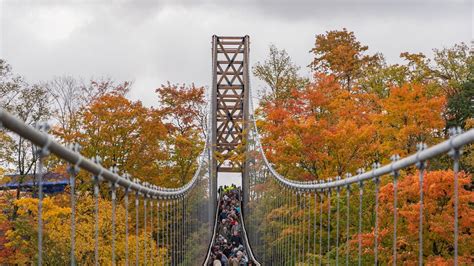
[{"x": 173, "y": 217}]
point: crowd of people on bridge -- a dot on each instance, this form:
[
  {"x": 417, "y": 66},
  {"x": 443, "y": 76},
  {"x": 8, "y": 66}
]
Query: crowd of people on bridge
[{"x": 228, "y": 248}]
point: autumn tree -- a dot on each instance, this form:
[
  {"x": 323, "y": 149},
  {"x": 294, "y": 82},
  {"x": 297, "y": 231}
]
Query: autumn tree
[
  {"x": 453, "y": 66},
  {"x": 22, "y": 240},
  {"x": 31, "y": 104},
  {"x": 71, "y": 95},
  {"x": 409, "y": 115},
  {"x": 10, "y": 84},
  {"x": 339, "y": 53},
  {"x": 323, "y": 131},
  {"x": 183, "y": 111},
  {"x": 124, "y": 133},
  {"x": 279, "y": 73},
  {"x": 438, "y": 220}
]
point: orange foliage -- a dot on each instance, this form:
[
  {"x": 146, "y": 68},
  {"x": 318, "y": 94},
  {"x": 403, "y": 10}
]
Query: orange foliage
[
  {"x": 410, "y": 116},
  {"x": 438, "y": 221},
  {"x": 125, "y": 134},
  {"x": 322, "y": 132}
]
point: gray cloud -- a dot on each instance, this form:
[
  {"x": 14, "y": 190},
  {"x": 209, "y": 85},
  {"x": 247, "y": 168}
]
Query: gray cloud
[{"x": 151, "y": 42}]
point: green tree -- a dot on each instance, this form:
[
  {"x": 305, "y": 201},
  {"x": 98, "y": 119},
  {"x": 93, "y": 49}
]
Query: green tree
[
  {"x": 453, "y": 66},
  {"x": 279, "y": 73},
  {"x": 461, "y": 106}
]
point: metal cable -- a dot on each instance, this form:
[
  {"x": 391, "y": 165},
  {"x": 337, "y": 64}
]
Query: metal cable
[
  {"x": 295, "y": 236},
  {"x": 126, "y": 226},
  {"x": 359, "y": 232},
  {"x": 158, "y": 242},
  {"x": 42, "y": 153},
  {"x": 96, "y": 220},
  {"x": 301, "y": 239},
  {"x": 113, "y": 190},
  {"x": 288, "y": 222},
  {"x": 272, "y": 243},
  {"x": 348, "y": 203},
  {"x": 395, "y": 174},
  {"x": 72, "y": 182},
  {"x": 174, "y": 231},
  {"x": 137, "y": 204},
  {"x": 376, "y": 233},
  {"x": 280, "y": 231},
  {"x": 151, "y": 231},
  {"x": 421, "y": 167},
  {"x": 167, "y": 224},
  {"x": 182, "y": 231},
  {"x": 329, "y": 225},
  {"x": 315, "y": 223},
  {"x": 456, "y": 154},
  {"x": 183, "y": 237},
  {"x": 337, "y": 225},
  {"x": 178, "y": 231},
  {"x": 302, "y": 227},
  {"x": 321, "y": 229},
  {"x": 309, "y": 223},
  {"x": 145, "y": 234}
]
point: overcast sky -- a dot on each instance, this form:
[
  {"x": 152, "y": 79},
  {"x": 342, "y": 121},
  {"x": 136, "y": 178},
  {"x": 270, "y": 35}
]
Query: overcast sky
[{"x": 151, "y": 42}]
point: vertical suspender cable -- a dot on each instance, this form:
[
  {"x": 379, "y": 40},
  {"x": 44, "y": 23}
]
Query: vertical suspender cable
[
  {"x": 348, "y": 203},
  {"x": 359, "y": 231},
  {"x": 96, "y": 220},
  {"x": 315, "y": 224},
  {"x": 137, "y": 204},
  {"x": 302, "y": 227},
  {"x": 151, "y": 232},
  {"x": 338, "y": 190},
  {"x": 126, "y": 226},
  {"x": 455, "y": 154},
  {"x": 145, "y": 235},
  {"x": 73, "y": 170},
  {"x": 376, "y": 229},
  {"x": 158, "y": 238},
  {"x": 329, "y": 225},
  {"x": 166, "y": 227},
  {"x": 40, "y": 210},
  {"x": 395, "y": 210},
  {"x": 309, "y": 224},
  {"x": 113, "y": 190},
  {"x": 321, "y": 228},
  {"x": 42, "y": 153},
  {"x": 421, "y": 167}
]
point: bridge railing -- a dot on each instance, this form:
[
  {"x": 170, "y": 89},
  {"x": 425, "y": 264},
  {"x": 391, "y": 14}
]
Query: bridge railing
[
  {"x": 294, "y": 218},
  {"x": 167, "y": 236}
]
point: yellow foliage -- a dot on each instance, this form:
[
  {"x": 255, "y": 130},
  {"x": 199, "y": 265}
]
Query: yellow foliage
[{"x": 57, "y": 231}]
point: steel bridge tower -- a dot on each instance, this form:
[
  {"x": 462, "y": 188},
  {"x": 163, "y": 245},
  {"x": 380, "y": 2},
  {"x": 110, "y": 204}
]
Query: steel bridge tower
[{"x": 229, "y": 110}]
